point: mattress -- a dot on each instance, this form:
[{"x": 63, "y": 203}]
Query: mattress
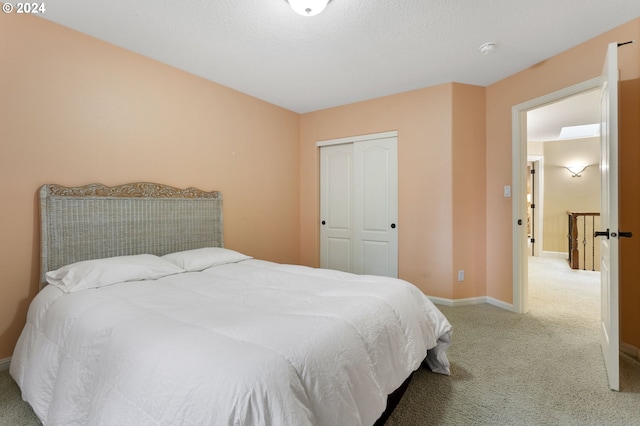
[{"x": 245, "y": 343}]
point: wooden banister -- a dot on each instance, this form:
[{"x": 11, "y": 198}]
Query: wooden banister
[{"x": 574, "y": 251}]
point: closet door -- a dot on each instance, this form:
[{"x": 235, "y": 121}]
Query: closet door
[
  {"x": 375, "y": 208},
  {"x": 336, "y": 188},
  {"x": 359, "y": 207}
]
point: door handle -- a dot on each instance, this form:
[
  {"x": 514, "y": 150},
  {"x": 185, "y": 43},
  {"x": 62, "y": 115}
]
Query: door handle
[{"x": 606, "y": 233}]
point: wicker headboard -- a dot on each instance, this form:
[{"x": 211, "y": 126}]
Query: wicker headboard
[{"x": 97, "y": 221}]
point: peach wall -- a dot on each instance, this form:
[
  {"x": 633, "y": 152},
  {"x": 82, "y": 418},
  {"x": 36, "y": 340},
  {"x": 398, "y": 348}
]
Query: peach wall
[
  {"x": 629, "y": 215},
  {"x": 423, "y": 121},
  {"x": 573, "y": 66},
  {"x": 440, "y": 178},
  {"x": 468, "y": 186},
  {"x": 74, "y": 110}
]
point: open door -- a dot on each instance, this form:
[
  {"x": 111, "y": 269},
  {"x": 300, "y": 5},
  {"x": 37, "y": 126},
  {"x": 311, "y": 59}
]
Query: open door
[{"x": 609, "y": 326}]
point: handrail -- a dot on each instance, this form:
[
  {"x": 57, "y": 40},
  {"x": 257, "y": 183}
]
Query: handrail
[{"x": 573, "y": 236}]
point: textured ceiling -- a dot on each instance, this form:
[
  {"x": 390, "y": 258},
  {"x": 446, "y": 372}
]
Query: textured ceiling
[{"x": 354, "y": 50}]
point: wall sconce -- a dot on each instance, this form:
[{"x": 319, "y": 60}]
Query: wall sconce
[
  {"x": 576, "y": 171},
  {"x": 308, "y": 7}
]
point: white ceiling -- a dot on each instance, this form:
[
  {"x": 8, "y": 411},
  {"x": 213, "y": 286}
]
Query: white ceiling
[
  {"x": 355, "y": 50},
  {"x": 544, "y": 123}
]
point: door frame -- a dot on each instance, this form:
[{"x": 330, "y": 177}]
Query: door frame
[
  {"x": 360, "y": 138},
  {"x": 538, "y": 200},
  {"x": 519, "y": 185}
]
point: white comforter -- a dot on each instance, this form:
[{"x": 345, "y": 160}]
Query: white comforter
[{"x": 249, "y": 343}]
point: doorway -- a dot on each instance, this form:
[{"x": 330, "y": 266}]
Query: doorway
[
  {"x": 521, "y": 247},
  {"x": 563, "y": 207}
]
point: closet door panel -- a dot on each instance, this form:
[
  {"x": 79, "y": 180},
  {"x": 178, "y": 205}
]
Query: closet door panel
[
  {"x": 375, "y": 206},
  {"x": 336, "y": 213}
]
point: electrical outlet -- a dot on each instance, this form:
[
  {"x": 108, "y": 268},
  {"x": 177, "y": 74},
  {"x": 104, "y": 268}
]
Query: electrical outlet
[{"x": 461, "y": 275}]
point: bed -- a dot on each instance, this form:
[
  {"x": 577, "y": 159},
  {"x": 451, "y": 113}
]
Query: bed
[{"x": 145, "y": 318}]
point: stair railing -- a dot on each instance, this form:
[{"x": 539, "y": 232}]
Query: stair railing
[{"x": 582, "y": 225}]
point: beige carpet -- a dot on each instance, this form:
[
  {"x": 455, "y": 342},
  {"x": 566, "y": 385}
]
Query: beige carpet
[{"x": 541, "y": 368}]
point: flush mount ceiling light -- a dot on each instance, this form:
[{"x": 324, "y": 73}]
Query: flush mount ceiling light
[
  {"x": 487, "y": 48},
  {"x": 308, "y": 7}
]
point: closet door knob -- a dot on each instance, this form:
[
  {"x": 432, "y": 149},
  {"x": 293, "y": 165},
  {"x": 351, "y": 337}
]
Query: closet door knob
[
  {"x": 323, "y": 222},
  {"x": 393, "y": 226}
]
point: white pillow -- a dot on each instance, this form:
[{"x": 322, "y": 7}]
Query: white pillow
[
  {"x": 203, "y": 258},
  {"x": 102, "y": 272}
]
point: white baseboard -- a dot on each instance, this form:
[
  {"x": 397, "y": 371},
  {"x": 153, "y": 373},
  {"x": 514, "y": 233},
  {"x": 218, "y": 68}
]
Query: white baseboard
[
  {"x": 630, "y": 350},
  {"x": 500, "y": 304},
  {"x": 457, "y": 302},
  {"x": 557, "y": 254},
  {"x": 4, "y": 363},
  {"x": 472, "y": 301}
]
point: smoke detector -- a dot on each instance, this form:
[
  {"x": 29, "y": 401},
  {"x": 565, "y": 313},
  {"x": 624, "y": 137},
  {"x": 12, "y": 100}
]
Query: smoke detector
[{"x": 487, "y": 48}]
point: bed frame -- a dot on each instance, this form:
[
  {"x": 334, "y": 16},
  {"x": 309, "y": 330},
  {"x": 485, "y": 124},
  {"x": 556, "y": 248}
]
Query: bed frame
[{"x": 97, "y": 221}]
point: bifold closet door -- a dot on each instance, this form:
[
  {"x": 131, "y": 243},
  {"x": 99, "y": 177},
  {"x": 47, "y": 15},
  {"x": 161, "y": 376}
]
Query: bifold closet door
[{"x": 359, "y": 207}]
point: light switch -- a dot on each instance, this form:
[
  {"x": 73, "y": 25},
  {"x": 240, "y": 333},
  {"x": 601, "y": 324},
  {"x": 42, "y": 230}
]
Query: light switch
[{"x": 507, "y": 190}]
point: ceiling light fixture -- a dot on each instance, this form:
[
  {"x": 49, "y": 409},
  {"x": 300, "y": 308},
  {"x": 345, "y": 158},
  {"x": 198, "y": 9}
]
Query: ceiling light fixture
[
  {"x": 308, "y": 7},
  {"x": 487, "y": 48}
]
